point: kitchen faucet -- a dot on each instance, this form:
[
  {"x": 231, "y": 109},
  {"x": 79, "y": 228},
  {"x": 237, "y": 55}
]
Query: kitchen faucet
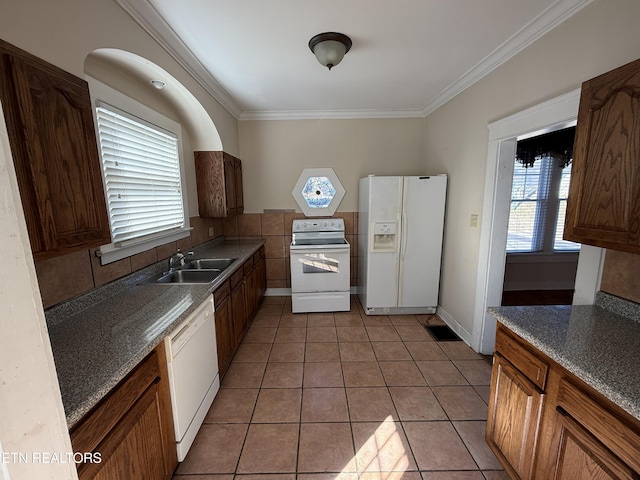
[{"x": 177, "y": 260}]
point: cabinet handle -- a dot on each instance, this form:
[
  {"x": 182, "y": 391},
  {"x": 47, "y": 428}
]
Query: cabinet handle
[{"x": 156, "y": 380}]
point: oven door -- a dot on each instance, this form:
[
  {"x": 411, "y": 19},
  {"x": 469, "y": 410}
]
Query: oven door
[{"x": 320, "y": 269}]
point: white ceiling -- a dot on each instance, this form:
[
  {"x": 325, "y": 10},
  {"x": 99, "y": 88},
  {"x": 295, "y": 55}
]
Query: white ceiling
[{"x": 408, "y": 56}]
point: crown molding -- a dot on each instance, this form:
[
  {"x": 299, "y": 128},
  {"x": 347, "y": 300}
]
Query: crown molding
[
  {"x": 328, "y": 114},
  {"x": 553, "y": 16},
  {"x": 152, "y": 22}
]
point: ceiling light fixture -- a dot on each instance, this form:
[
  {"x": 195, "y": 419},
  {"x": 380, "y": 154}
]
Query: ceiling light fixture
[
  {"x": 159, "y": 84},
  {"x": 330, "y": 47}
]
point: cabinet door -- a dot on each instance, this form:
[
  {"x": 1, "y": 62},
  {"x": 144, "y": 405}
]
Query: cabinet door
[
  {"x": 132, "y": 427},
  {"x": 603, "y": 207},
  {"x": 514, "y": 415},
  {"x": 261, "y": 279},
  {"x": 581, "y": 455},
  {"x": 219, "y": 184},
  {"x": 224, "y": 334},
  {"x": 230, "y": 184},
  {"x": 239, "y": 189},
  {"x": 53, "y": 141},
  {"x": 239, "y": 311},
  {"x": 133, "y": 451},
  {"x": 250, "y": 292}
]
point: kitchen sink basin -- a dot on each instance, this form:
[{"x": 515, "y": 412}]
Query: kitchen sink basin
[
  {"x": 209, "y": 263},
  {"x": 189, "y": 276}
]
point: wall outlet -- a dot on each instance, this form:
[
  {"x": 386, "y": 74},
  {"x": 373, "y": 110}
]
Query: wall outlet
[
  {"x": 211, "y": 231},
  {"x": 474, "y": 220}
]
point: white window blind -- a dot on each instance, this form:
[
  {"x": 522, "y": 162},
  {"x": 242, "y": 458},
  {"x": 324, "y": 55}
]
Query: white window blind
[
  {"x": 558, "y": 243},
  {"x": 538, "y": 208},
  {"x": 142, "y": 176},
  {"x": 529, "y": 207}
]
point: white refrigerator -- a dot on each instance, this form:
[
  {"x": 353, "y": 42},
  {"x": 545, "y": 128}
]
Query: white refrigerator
[{"x": 400, "y": 228}]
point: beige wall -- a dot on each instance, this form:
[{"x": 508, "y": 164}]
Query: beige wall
[
  {"x": 599, "y": 38},
  {"x": 65, "y": 33},
  {"x": 275, "y": 152}
]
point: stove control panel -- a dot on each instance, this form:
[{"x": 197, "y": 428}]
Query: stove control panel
[{"x": 318, "y": 225}]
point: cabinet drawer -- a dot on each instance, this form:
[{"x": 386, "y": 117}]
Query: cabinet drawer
[
  {"x": 237, "y": 277},
  {"x": 256, "y": 257},
  {"x": 88, "y": 434},
  {"x": 220, "y": 294},
  {"x": 620, "y": 436},
  {"x": 515, "y": 351},
  {"x": 248, "y": 265}
]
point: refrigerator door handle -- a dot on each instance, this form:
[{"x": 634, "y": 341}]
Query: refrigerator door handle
[{"x": 403, "y": 240}]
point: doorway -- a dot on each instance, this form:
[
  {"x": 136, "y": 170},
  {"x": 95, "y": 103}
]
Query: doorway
[
  {"x": 554, "y": 114},
  {"x": 540, "y": 266}
]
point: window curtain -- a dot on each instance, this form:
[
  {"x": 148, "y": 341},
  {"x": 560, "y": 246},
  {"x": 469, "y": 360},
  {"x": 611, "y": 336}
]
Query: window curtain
[{"x": 558, "y": 145}]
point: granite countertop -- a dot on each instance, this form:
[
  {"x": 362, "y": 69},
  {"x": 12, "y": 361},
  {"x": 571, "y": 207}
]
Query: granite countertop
[
  {"x": 98, "y": 338},
  {"x": 600, "y": 343}
]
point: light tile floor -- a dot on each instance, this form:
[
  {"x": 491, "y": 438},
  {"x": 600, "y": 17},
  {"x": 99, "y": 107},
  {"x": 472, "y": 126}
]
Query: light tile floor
[{"x": 326, "y": 396}]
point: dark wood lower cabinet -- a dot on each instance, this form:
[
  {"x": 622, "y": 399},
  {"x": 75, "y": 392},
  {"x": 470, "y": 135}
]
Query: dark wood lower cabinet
[
  {"x": 132, "y": 428},
  {"x": 236, "y": 303},
  {"x": 225, "y": 343},
  {"x": 239, "y": 311}
]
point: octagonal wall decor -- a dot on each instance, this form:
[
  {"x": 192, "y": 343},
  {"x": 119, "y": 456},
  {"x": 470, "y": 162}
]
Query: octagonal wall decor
[{"x": 318, "y": 192}]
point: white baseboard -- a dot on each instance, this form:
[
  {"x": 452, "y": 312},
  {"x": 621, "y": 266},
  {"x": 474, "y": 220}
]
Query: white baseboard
[{"x": 455, "y": 326}]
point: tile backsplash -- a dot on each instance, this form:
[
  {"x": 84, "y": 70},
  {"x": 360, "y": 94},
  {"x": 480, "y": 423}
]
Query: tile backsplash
[
  {"x": 621, "y": 275},
  {"x": 62, "y": 278},
  {"x": 275, "y": 229}
]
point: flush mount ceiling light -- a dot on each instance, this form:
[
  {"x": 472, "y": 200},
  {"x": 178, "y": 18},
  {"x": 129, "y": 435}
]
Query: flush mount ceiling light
[
  {"x": 159, "y": 84},
  {"x": 330, "y": 47}
]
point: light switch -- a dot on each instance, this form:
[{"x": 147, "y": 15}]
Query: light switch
[{"x": 474, "y": 220}]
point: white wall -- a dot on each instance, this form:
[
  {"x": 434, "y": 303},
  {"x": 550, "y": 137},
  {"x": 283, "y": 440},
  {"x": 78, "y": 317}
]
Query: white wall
[
  {"x": 32, "y": 419},
  {"x": 274, "y": 153},
  {"x": 600, "y": 37}
]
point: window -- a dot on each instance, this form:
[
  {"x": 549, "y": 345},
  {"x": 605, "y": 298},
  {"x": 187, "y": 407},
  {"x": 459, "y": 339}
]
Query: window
[
  {"x": 318, "y": 192},
  {"x": 143, "y": 184},
  {"x": 538, "y": 207}
]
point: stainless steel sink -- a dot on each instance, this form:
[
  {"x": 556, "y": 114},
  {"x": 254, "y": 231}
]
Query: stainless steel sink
[
  {"x": 209, "y": 263},
  {"x": 189, "y": 276}
]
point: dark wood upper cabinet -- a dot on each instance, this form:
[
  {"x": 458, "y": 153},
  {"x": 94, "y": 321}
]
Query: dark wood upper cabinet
[
  {"x": 219, "y": 183},
  {"x": 603, "y": 208},
  {"x": 53, "y": 142}
]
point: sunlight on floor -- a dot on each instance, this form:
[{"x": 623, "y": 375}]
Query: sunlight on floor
[{"x": 381, "y": 457}]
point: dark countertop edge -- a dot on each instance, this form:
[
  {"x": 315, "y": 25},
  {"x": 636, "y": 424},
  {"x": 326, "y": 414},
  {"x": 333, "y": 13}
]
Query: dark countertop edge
[
  {"x": 58, "y": 313},
  {"x": 626, "y": 404}
]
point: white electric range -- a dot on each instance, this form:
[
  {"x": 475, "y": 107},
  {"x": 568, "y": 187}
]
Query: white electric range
[{"x": 320, "y": 272}]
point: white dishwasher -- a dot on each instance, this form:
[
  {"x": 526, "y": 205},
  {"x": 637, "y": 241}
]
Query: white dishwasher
[{"x": 193, "y": 373}]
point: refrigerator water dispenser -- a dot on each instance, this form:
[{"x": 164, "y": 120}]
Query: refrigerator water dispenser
[{"x": 384, "y": 237}]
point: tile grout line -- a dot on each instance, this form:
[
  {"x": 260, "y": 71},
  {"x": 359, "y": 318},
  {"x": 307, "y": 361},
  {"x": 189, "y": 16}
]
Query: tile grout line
[{"x": 350, "y": 420}]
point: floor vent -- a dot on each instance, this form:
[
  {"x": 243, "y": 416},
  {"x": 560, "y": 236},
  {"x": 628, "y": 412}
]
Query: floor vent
[{"x": 441, "y": 333}]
